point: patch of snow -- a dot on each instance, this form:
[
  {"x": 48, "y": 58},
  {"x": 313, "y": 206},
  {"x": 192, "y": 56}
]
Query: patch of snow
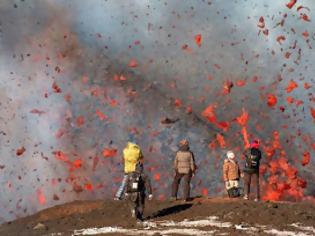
[
  {"x": 103, "y": 230},
  {"x": 188, "y": 227},
  {"x": 304, "y": 228},
  {"x": 107, "y": 230},
  {"x": 209, "y": 221},
  {"x": 286, "y": 233},
  {"x": 246, "y": 227}
]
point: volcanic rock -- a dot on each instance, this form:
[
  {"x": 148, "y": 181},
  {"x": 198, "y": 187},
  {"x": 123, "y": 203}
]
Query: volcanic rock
[{"x": 167, "y": 120}]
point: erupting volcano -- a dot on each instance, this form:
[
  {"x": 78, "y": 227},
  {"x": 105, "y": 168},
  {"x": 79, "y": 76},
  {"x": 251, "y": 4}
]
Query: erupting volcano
[{"x": 81, "y": 78}]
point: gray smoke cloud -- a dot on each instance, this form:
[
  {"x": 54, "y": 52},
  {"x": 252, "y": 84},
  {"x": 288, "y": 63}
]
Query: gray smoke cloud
[{"x": 81, "y": 45}]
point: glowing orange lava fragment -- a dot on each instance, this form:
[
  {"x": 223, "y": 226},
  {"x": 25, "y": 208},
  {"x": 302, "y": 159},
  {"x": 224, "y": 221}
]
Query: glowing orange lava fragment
[
  {"x": 245, "y": 137},
  {"x": 223, "y": 125},
  {"x": 122, "y": 78},
  {"x": 306, "y": 158},
  {"x": 272, "y": 195},
  {"x": 113, "y": 102},
  {"x": 41, "y": 197},
  {"x": 88, "y": 186},
  {"x": 305, "y": 17},
  {"x": 204, "y": 192},
  {"x": 101, "y": 115},
  {"x": 228, "y": 85},
  {"x": 133, "y": 63},
  {"x": 221, "y": 140},
  {"x": 157, "y": 177},
  {"x": 60, "y": 156},
  {"x": 189, "y": 109},
  {"x": 305, "y": 34},
  {"x": 290, "y": 100},
  {"x": 271, "y": 100},
  {"x": 178, "y": 102},
  {"x": 209, "y": 113},
  {"x": 307, "y": 85},
  {"x": 243, "y": 119},
  {"x": 198, "y": 39},
  {"x": 291, "y": 4},
  {"x": 312, "y": 110},
  {"x": 77, "y": 163},
  {"x": 108, "y": 152},
  {"x": 116, "y": 77},
  {"x": 80, "y": 121},
  {"x": 240, "y": 83},
  {"x": 292, "y": 85}
]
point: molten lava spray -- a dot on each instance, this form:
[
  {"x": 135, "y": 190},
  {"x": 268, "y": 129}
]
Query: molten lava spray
[{"x": 81, "y": 78}]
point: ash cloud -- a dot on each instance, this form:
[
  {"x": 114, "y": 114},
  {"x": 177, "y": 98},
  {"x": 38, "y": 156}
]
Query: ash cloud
[{"x": 81, "y": 45}]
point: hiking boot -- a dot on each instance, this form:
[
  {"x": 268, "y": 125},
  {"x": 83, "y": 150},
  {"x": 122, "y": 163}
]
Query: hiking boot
[
  {"x": 256, "y": 199},
  {"x": 245, "y": 197},
  {"x": 140, "y": 218},
  {"x": 117, "y": 198},
  {"x": 188, "y": 200}
]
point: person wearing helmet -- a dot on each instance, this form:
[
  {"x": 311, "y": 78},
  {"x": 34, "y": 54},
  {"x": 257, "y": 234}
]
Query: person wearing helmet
[
  {"x": 138, "y": 185},
  {"x": 251, "y": 171},
  {"x": 231, "y": 175},
  {"x": 184, "y": 165},
  {"x": 132, "y": 154}
]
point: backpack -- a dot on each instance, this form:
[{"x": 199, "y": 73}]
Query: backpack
[
  {"x": 132, "y": 154},
  {"x": 252, "y": 161},
  {"x": 134, "y": 182},
  {"x": 234, "y": 192}
]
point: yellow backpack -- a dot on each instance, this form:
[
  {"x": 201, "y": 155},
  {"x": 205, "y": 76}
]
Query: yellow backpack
[{"x": 132, "y": 154}]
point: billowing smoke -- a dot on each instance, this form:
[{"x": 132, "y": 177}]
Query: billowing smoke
[{"x": 81, "y": 78}]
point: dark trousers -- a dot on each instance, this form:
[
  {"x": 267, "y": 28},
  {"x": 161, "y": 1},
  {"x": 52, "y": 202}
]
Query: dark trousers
[
  {"x": 248, "y": 178},
  {"x": 176, "y": 182},
  {"x": 136, "y": 202}
]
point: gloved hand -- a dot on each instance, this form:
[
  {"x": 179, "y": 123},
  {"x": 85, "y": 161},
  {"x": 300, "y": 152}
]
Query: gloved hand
[
  {"x": 150, "y": 197},
  {"x": 227, "y": 184}
]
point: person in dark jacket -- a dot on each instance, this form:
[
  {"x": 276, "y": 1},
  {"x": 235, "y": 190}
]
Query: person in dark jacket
[
  {"x": 184, "y": 165},
  {"x": 138, "y": 184},
  {"x": 251, "y": 171}
]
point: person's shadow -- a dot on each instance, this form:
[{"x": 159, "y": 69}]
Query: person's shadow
[{"x": 169, "y": 210}]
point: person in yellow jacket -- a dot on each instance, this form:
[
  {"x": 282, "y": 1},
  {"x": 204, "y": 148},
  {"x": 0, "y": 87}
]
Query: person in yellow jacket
[{"x": 132, "y": 154}]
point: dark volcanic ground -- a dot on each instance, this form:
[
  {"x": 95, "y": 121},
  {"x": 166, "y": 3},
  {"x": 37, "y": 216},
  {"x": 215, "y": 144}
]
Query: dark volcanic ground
[{"x": 241, "y": 214}]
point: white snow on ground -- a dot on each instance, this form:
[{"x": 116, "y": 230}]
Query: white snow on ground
[
  {"x": 209, "y": 221},
  {"x": 304, "y": 228},
  {"x": 189, "y": 227},
  {"x": 246, "y": 228},
  {"x": 104, "y": 230},
  {"x": 286, "y": 233}
]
